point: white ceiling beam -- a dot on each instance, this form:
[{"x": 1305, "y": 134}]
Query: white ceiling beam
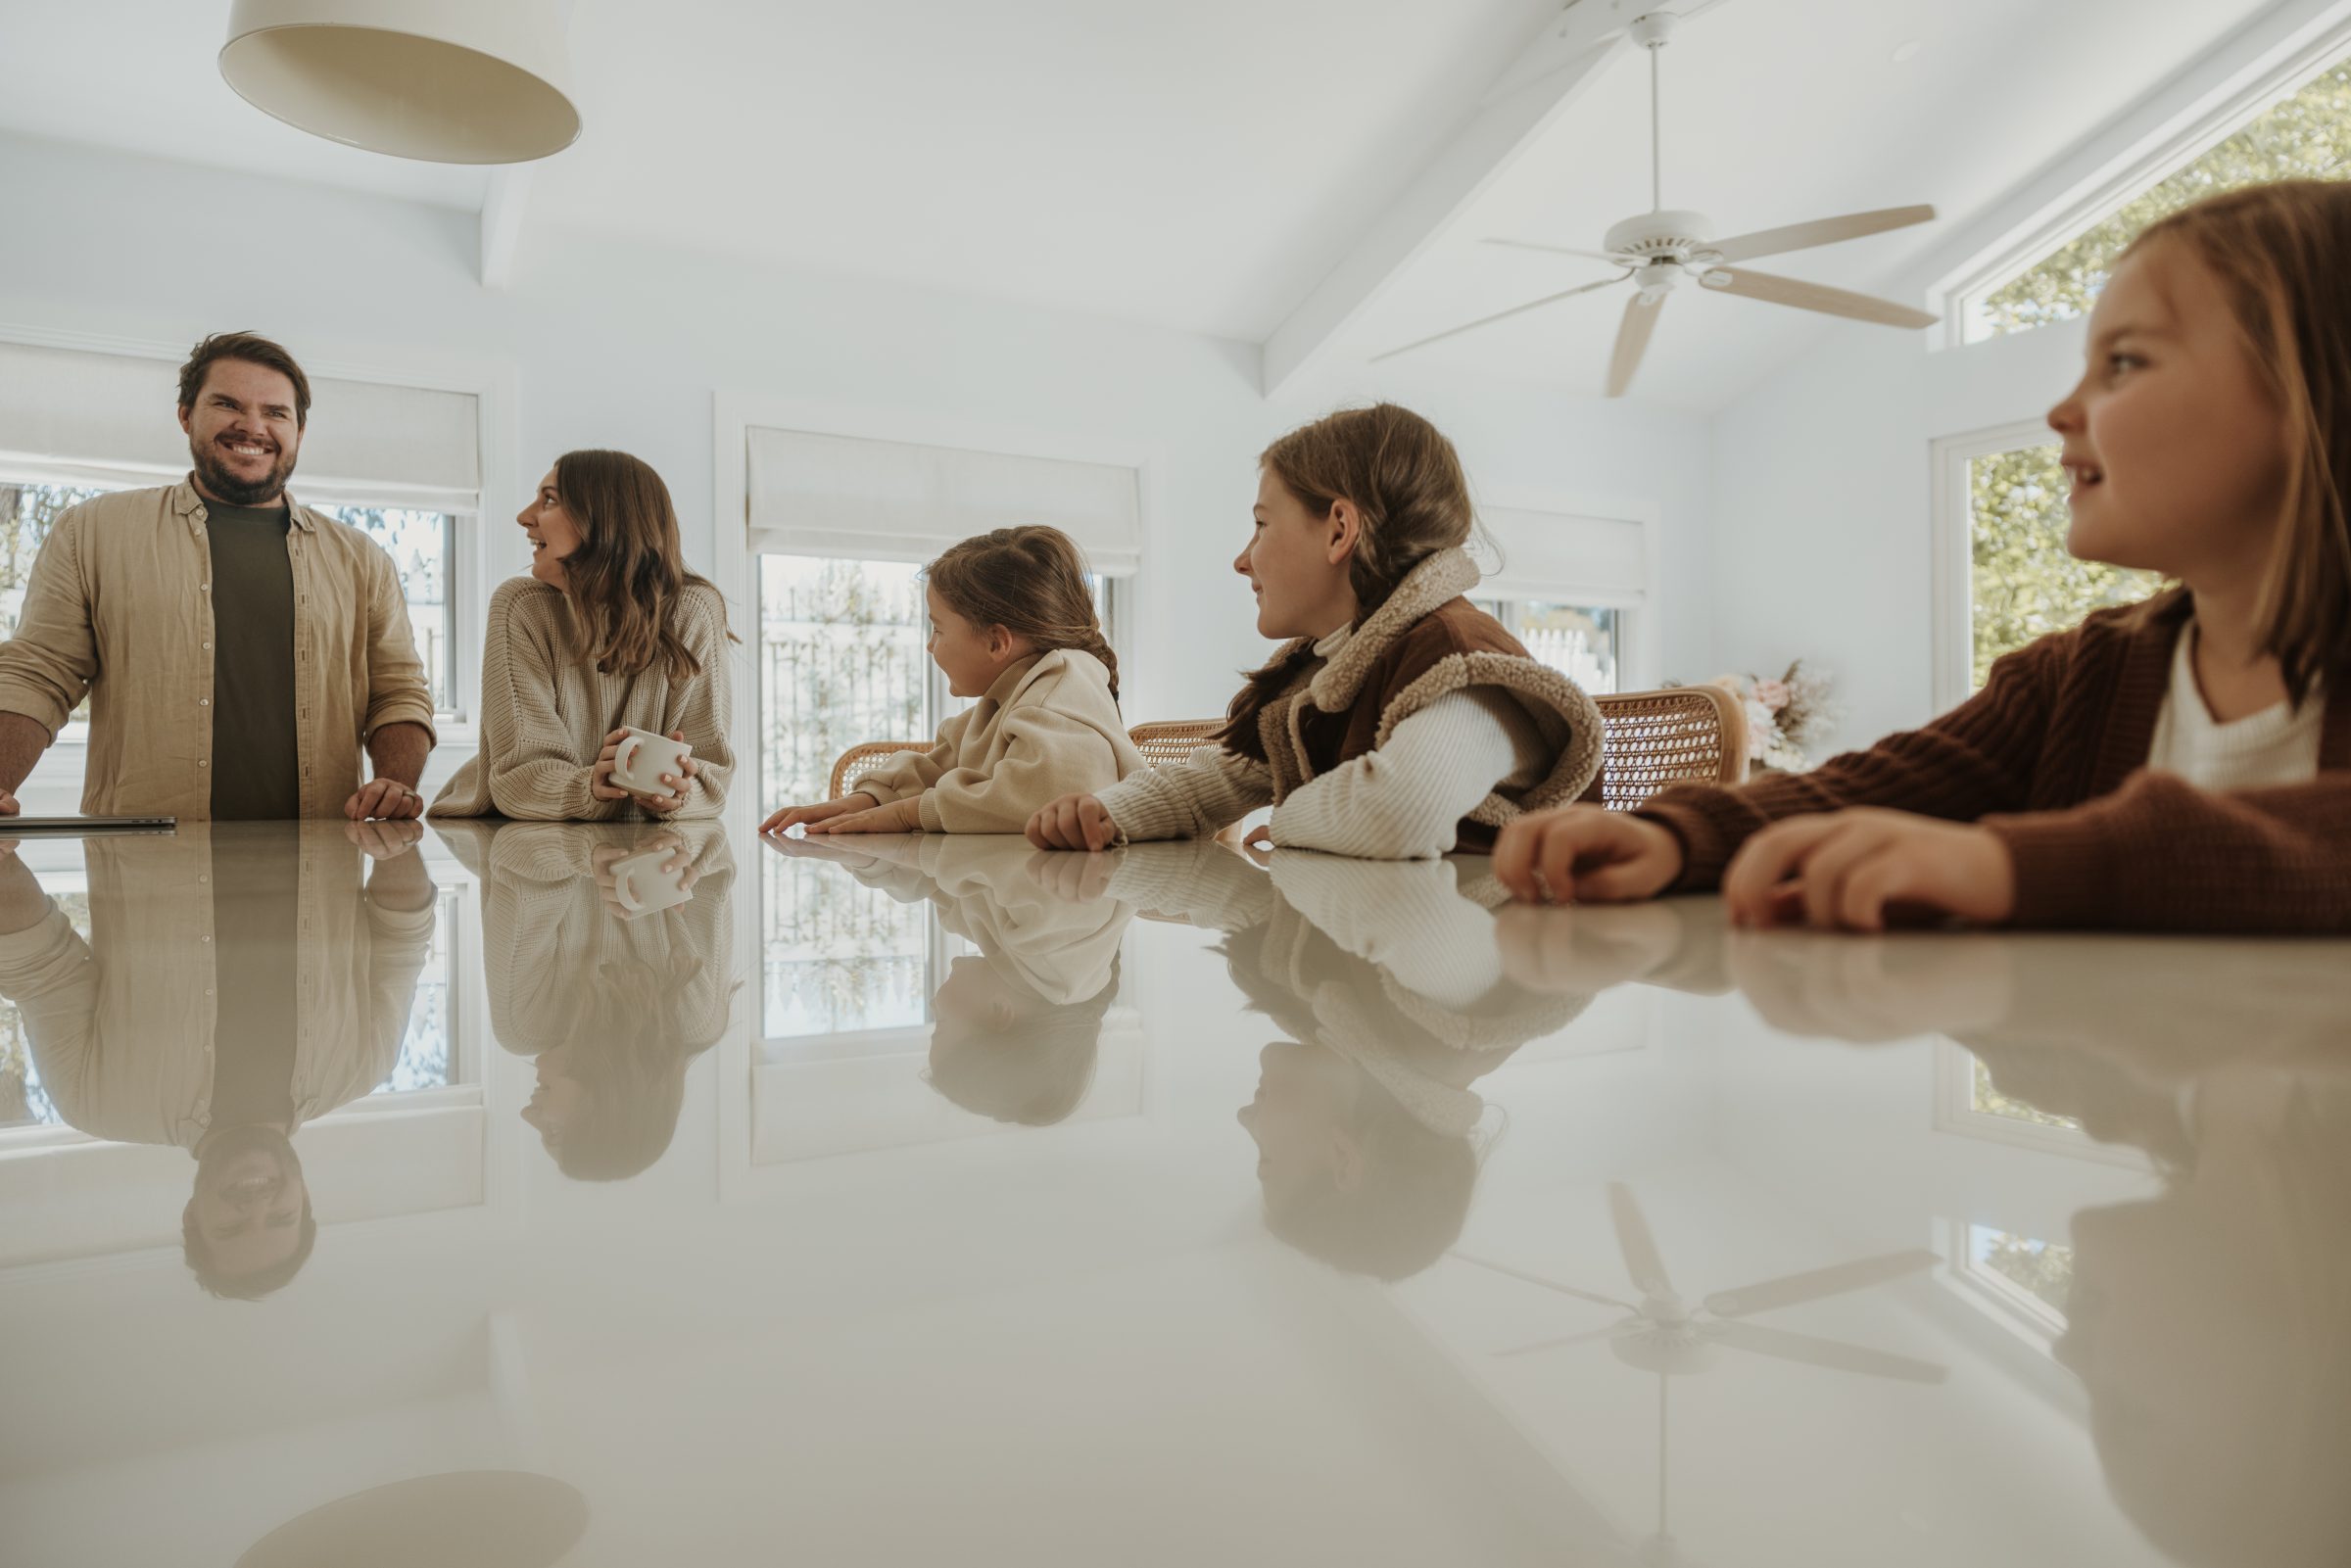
[
  {"x": 1549, "y": 74},
  {"x": 502, "y": 203}
]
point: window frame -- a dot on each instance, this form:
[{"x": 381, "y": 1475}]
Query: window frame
[{"x": 2191, "y": 118}]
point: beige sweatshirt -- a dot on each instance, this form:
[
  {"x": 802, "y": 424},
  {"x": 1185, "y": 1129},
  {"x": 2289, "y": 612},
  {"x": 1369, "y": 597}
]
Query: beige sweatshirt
[
  {"x": 546, "y": 712},
  {"x": 1048, "y": 728}
]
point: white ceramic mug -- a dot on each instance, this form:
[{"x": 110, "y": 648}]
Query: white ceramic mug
[
  {"x": 642, "y": 757},
  {"x": 642, "y": 886}
]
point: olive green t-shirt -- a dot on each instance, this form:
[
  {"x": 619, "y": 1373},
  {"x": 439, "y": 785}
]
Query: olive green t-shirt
[
  {"x": 256, "y": 891},
  {"x": 256, "y": 770}
]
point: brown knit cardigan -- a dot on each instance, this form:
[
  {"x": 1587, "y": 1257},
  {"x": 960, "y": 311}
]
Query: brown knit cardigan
[{"x": 2051, "y": 756}]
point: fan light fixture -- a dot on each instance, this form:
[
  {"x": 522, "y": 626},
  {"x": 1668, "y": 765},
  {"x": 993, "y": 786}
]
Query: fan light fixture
[
  {"x": 449, "y": 81},
  {"x": 1670, "y": 248}
]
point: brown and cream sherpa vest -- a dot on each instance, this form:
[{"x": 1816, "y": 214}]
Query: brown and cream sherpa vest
[{"x": 1424, "y": 641}]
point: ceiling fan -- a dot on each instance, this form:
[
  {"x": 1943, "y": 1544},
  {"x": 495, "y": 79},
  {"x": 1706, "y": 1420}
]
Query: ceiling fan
[
  {"x": 1668, "y": 248},
  {"x": 1672, "y": 1338}
]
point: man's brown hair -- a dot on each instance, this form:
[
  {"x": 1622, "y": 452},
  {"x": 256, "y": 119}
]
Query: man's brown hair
[{"x": 253, "y": 348}]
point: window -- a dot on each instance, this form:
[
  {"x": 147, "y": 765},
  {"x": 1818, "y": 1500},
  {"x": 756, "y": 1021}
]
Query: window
[
  {"x": 841, "y": 958},
  {"x": 1986, "y": 1100},
  {"x": 1967, "y": 1104},
  {"x": 2021, "y": 1280},
  {"x": 421, "y": 544},
  {"x": 1584, "y": 645},
  {"x": 2305, "y": 136}
]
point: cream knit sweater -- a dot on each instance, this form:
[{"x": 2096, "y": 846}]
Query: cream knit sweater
[
  {"x": 1048, "y": 728},
  {"x": 546, "y": 712}
]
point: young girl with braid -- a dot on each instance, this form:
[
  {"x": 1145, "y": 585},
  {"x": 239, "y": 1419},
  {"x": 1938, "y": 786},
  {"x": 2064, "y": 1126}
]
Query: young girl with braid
[{"x": 1012, "y": 624}]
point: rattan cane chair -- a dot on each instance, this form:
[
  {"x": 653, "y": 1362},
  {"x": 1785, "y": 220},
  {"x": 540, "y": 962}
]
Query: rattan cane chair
[
  {"x": 1683, "y": 734},
  {"x": 867, "y": 757},
  {"x": 1166, "y": 741}
]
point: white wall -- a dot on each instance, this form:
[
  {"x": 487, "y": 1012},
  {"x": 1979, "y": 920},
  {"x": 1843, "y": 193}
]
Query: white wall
[
  {"x": 613, "y": 344},
  {"x": 1822, "y": 495}
]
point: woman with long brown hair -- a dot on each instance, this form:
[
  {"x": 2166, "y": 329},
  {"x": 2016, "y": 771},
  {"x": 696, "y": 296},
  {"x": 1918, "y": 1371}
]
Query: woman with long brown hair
[{"x": 609, "y": 632}]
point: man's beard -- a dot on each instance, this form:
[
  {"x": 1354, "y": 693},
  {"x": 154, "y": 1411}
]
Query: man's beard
[{"x": 227, "y": 487}]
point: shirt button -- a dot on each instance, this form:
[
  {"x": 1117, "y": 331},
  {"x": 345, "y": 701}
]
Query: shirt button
[
  {"x": 204, "y": 702},
  {"x": 208, "y": 644},
  {"x": 205, "y": 587},
  {"x": 204, "y": 761}
]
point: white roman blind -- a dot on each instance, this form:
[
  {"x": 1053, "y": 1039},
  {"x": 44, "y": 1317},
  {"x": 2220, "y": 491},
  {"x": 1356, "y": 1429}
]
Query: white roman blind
[
  {"x": 843, "y": 496},
  {"x": 1565, "y": 557},
  {"x": 70, "y": 416}
]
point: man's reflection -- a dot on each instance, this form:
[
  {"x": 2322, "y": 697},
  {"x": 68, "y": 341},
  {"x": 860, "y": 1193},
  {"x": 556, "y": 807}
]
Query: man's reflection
[
  {"x": 609, "y": 956},
  {"x": 1389, "y": 984},
  {"x": 238, "y": 982},
  {"x": 1016, "y": 1028}
]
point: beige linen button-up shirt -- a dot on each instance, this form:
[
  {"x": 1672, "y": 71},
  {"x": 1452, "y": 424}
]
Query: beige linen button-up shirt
[
  {"x": 122, "y": 1026},
  {"x": 121, "y": 607}
]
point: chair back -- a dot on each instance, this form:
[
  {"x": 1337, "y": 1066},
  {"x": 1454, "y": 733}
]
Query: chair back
[
  {"x": 1683, "y": 734},
  {"x": 866, "y": 757},
  {"x": 1166, "y": 741}
]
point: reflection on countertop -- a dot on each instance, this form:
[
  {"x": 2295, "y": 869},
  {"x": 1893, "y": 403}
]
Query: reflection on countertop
[{"x": 722, "y": 1197}]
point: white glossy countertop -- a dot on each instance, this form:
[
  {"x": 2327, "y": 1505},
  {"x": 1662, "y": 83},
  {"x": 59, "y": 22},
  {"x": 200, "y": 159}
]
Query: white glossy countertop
[{"x": 921, "y": 1200}]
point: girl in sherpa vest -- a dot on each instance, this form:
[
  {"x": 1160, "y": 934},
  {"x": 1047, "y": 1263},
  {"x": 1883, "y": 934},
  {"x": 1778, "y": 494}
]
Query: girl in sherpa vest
[{"x": 1399, "y": 721}]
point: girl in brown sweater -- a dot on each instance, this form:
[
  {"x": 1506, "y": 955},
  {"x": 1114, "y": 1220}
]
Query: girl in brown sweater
[{"x": 2181, "y": 764}]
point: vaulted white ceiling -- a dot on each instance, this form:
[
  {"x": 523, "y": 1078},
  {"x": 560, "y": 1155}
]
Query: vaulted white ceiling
[{"x": 1204, "y": 165}]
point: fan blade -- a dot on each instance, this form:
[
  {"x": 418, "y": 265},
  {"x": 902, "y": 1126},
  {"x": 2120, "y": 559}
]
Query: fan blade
[
  {"x": 1813, "y": 1284},
  {"x": 1833, "y": 1353},
  {"x": 1632, "y": 341},
  {"x": 1820, "y": 231},
  {"x": 1586, "y": 1337},
  {"x": 1560, "y": 250},
  {"x": 1500, "y": 316},
  {"x": 1777, "y": 290},
  {"x": 1633, "y": 1239},
  {"x": 1547, "y": 1284}
]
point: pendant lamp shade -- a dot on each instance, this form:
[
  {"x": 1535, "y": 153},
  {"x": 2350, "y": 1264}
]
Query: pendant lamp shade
[{"x": 449, "y": 81}]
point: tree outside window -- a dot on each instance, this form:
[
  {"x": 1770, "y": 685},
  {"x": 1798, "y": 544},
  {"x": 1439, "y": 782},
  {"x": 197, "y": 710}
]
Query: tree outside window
[
  {"x": 2023, "y": 585},
  {"x": 2304, "y": 136}
]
